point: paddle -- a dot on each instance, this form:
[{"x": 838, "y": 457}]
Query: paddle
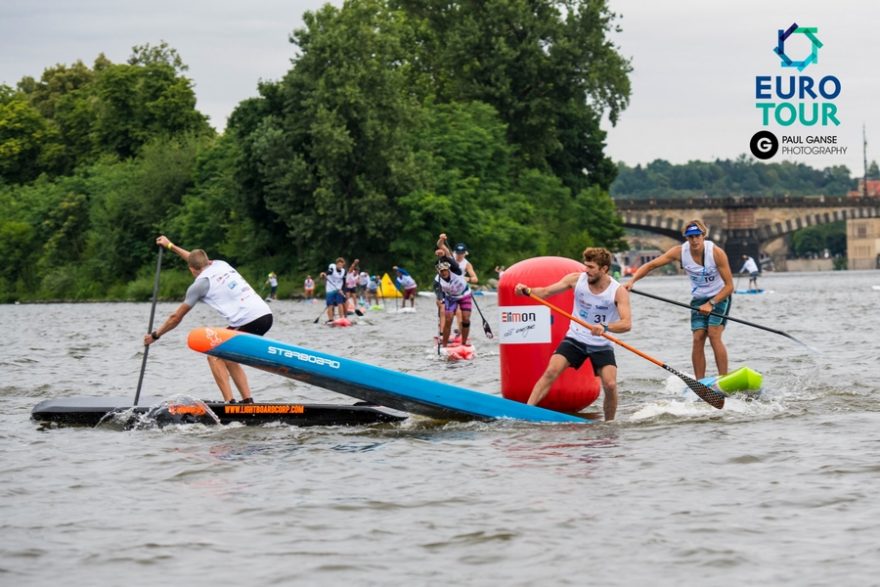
[
  {"x": 137, "y": 394},
  {"x": 731, "y": 318},
  {"x": 486, "y": 328},
  {"x": 706, "y": 393}
]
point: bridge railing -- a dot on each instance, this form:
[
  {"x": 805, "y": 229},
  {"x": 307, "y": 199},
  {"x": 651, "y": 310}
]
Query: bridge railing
[{"x": 819, "y": 200}]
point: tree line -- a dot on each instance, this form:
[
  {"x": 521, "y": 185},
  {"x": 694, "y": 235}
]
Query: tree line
[
  {"x": 725, "y": 177},
  {"x": 397, "y": 120}
]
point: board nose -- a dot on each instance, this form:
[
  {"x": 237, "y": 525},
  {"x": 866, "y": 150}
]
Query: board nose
[{"x": 206, "y": 338}]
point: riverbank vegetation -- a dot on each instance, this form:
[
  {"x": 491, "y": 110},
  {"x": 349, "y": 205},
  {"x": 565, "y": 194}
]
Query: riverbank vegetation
[{"x": 396, "y": 121}]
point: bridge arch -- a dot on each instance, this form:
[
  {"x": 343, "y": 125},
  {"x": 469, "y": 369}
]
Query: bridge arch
[
  {"x": 669, "y": 226},
  {"x": 813, "y": 218},
  {"x": 743, "y": 225}
]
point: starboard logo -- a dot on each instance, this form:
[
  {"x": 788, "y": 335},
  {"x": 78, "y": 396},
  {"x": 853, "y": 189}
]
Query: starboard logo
[
  {"x": 304, "y": 357},
  {"x": 796, "y": 100}
]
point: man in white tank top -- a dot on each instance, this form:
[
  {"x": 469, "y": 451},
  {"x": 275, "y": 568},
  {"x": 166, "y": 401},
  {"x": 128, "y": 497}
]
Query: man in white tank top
[
  {"x": 220, "y": 286},
  {"x": 604, "y": 305},
  {"x": 708, "y": 269}
]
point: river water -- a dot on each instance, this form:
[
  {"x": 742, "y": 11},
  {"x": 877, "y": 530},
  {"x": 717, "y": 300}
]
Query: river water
[{"x": 778, "y": 491}]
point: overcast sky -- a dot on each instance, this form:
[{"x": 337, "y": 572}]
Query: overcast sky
[{"x": 694, "y": 61}]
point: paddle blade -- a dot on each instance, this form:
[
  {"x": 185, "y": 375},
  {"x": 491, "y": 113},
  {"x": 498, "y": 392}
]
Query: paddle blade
[
  {"x": 487, "y": 329},
  {"x": 703, "y": 391}
]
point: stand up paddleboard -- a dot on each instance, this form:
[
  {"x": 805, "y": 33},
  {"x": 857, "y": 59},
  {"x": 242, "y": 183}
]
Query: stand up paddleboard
[
  {"x": 393, "y": 389},
  {"x": 457, "y": 352},
  {"x": 454, "y": 350},
  {"x": 90, "y": 411},
  {"x": 749, "y": 291}
]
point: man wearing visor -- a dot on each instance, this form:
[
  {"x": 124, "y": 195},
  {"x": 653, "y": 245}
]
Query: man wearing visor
[{"x": 711, "y": 280}]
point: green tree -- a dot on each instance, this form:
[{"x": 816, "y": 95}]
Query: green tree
[
  {"x": 334, "y": 160},
  {"x": 135, "y": 103},
  {"x": 26, "y": 138},
  {"x": 725, "y": 177},
  {"x": 547, "y": 67}
]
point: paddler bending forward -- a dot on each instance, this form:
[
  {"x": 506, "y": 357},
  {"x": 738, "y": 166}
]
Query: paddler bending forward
[
  {"x": 604, "y": 305},
  {"x": 456, "y": 294},
  {"x": 220, "y": 286}
]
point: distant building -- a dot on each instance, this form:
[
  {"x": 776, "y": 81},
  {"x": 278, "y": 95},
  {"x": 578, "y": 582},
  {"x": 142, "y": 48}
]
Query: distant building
[
  {"x": 632, "y": 260},
  {"x": 873, "y": 189},
  {"x": 863, "y": 243}
]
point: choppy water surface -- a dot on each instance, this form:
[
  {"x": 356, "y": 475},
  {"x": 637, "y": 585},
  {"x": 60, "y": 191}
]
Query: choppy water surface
[{"x": 776, "y": 491}]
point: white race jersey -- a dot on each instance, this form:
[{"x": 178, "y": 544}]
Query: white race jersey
[
  {"x": 705, "y": 279},
  {"x": 231, "y": 295},
  {"x": 455, "y": 288},
  {"x": 749, "y": 266},
  {"x": 335, "y": 278},
  {"x": 406, "y": 281},
  {"x": 593, "y": 309}
]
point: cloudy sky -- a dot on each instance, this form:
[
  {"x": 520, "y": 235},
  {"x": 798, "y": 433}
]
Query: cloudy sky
[{"x": 694, "y": 61}]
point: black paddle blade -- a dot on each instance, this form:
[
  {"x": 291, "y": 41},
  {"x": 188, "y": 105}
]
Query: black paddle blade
[
  {"x": 487, "y": 329},
  {"x": 703, "y": 391}
]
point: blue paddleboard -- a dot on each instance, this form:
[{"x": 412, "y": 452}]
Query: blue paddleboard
[{"x": 393, "y": 389}]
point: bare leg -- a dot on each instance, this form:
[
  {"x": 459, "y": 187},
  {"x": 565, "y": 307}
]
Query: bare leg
[
  {"x": 555, "y": 367},
  {"x": 465, "y": 326},
  {"x": 698, "y": 353},
  {"x": 330, "y": 312},
  {"x": 447, "y": 328},
  {"x": 608, "y": 375},
  {"x": 718, "y": 348},
  {"x": 221, "y": 376},
  {"x": 239, "y": 377}
]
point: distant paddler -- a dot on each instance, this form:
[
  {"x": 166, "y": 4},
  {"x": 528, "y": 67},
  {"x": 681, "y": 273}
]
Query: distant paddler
[
  {"x": 220, "y": 286},
  {"x": 708, "y": 269},
  {"x": 750, "y": 267}
]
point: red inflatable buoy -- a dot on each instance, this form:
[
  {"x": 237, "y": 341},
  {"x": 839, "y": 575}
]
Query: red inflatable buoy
[{"x": 530, "y": 333}]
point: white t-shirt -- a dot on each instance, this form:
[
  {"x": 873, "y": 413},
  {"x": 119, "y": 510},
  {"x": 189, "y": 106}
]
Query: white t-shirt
[{"x": 228, "y": 293}]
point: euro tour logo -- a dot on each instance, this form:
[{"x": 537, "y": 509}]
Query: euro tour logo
[{"x": 797, "y": 100}]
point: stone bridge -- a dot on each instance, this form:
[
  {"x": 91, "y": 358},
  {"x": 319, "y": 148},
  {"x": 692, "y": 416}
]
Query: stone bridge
[{"x": 743, "y": 225}]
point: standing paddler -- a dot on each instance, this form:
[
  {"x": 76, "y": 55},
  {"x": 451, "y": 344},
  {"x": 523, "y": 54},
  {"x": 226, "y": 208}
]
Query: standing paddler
[
  {"x": 708, "y": 269},
  {"x": 220, "y": 286}
]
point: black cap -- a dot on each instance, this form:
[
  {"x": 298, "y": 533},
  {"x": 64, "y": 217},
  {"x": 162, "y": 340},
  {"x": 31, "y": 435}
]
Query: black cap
[{"x": 461, "y": 248}]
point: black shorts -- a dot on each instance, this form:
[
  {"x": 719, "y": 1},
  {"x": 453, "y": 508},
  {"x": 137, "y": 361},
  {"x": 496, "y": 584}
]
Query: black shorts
[
  {"x": 260, "y": 326},
  {"x": 577, "y": 352}
]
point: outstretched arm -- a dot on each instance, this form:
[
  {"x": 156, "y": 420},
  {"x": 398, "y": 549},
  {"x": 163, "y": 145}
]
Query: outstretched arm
[
  {"x": 673, "y": 254},
  {"x": 443, "y": 245},
  {"x": 163, "y": 241},
  {"x": 170, "y": 324},
  {"x": 567, "y": 282}
]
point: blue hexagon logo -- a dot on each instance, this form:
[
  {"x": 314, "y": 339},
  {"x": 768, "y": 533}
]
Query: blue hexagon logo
[{"x": 810, "y": 33}]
